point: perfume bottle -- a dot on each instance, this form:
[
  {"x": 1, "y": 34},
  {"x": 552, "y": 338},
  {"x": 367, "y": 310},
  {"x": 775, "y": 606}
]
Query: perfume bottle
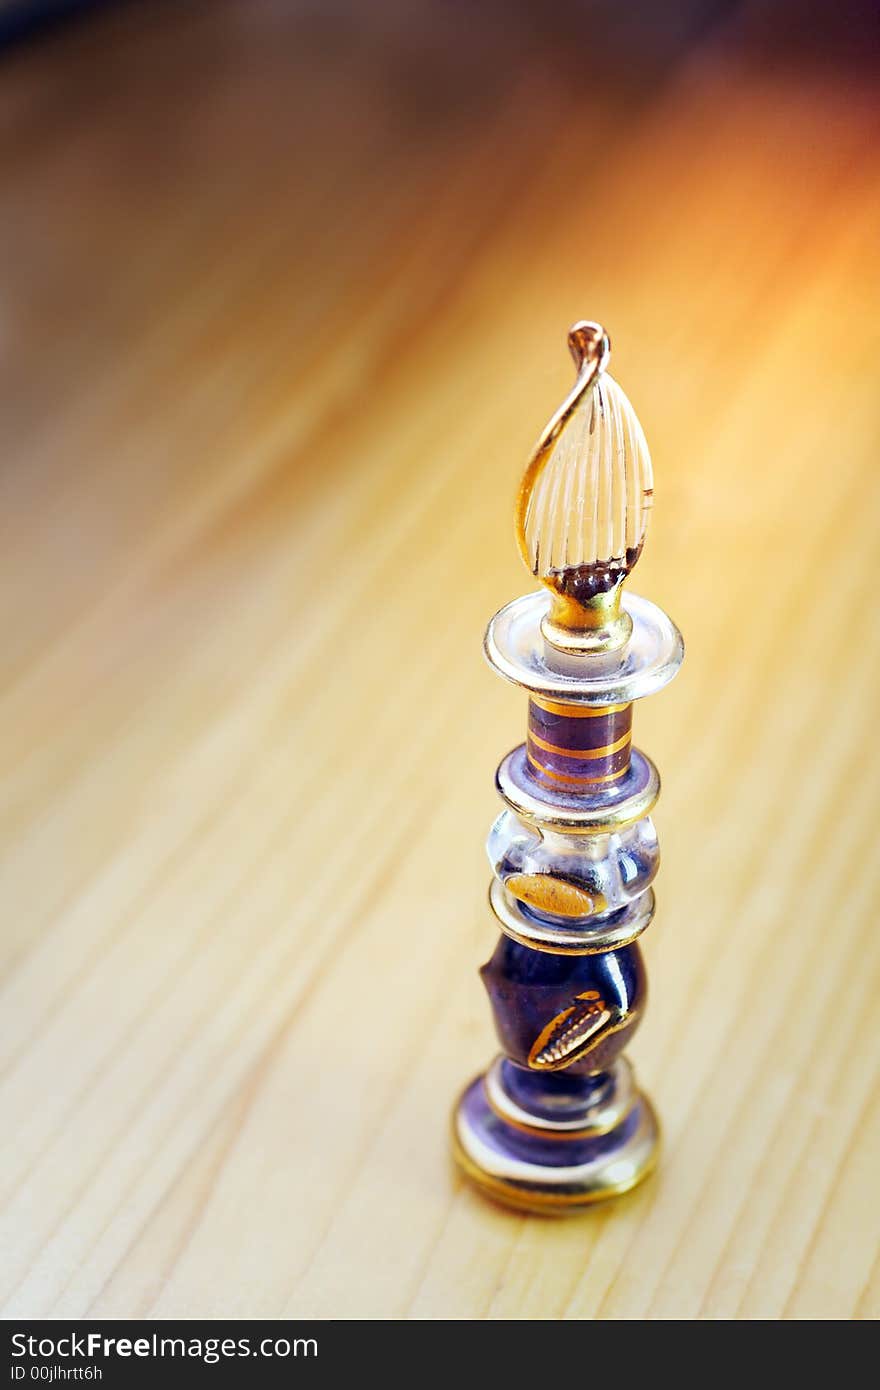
[{"x": 558, "y": 1121}]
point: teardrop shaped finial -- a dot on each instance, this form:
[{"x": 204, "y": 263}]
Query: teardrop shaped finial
[{"x": 583, "y": 503}]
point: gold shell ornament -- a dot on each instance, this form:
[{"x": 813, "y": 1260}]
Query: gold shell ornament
[
  {"x": 571, "y": 1034},
  {"x": 583, "y": 503}
]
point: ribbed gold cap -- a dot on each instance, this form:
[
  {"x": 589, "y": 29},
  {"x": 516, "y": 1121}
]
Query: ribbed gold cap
[{"x": 583, "y": 503}]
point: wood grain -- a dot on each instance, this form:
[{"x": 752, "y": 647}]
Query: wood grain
[{"x": 284, "y": 305}]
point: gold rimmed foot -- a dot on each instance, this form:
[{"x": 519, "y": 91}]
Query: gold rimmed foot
[{"x": 552, "y": 1172}]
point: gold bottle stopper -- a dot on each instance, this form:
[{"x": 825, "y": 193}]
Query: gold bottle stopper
[{"x": 583, "y": 504}]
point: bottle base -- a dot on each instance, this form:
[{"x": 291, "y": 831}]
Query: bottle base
[{"x": 541, "y": 1167}]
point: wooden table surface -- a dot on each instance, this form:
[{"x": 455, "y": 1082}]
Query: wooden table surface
[{"x": 284, "y": 299}]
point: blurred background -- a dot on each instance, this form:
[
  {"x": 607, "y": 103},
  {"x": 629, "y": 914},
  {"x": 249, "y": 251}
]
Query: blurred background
[{"x": 284, "y": 292}]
